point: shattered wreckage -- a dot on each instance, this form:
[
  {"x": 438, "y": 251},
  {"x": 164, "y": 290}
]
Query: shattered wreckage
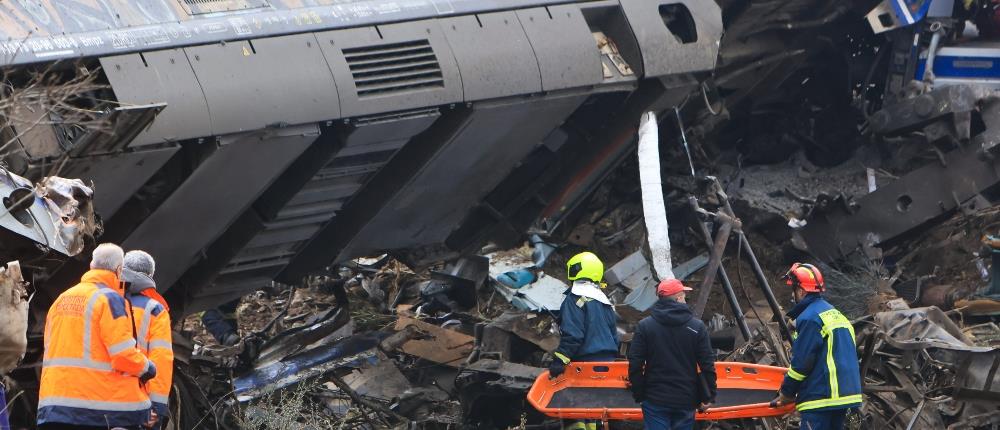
[{"x": 260, "y": 149}]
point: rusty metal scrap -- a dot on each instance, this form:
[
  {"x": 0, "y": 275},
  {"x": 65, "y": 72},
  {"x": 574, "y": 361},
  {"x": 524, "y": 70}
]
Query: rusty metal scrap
[{"x": 440, "y": 345}]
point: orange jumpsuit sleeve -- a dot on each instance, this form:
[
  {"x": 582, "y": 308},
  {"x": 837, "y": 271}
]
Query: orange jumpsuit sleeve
[
  {"x": 114, "y": 325},
  {"x": 162, "y": 354}
]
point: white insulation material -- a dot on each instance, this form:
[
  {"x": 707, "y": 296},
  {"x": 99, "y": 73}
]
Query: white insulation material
[{"x": 653, "y": 209}]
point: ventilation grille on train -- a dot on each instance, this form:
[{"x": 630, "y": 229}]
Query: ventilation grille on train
[{"x": 394, "y": 68}]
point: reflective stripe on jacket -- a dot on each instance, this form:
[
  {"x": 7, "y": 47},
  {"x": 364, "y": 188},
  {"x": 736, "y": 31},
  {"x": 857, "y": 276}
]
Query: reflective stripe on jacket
[
  {"x": 824, "y": 372},
  {"x": 153, "y": 324},
  {"x": 91, "y": 364}
]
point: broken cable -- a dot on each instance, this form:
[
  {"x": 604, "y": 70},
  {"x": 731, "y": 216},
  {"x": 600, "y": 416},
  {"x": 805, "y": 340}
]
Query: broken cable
[
  {"x": 680, "y": 126},
  {"x": 704, "y": 96}
]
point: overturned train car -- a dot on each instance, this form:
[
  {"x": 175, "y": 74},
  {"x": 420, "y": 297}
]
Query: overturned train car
[{"x": 246, "y": 141}]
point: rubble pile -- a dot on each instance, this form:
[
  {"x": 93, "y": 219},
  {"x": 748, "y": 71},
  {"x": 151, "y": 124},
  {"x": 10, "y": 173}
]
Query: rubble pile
[
  {"x": 330, "y": 353},
  {"x": 375, "y": 344},
  {"x": 922, "y": 370}
]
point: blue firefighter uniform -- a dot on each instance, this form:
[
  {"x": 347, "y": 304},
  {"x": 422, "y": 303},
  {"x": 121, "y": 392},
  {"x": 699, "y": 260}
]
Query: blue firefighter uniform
[
  {"x": 824, "y": 377},
  {"x": 587, "y": 326},
  {"x": 588, "y": 332}
]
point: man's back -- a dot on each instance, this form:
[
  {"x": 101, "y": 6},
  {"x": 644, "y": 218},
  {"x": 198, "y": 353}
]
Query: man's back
[
  {"x": 587, "y": 328},
  {"x": 153, "y": 330},
  {"x": 91, "y": 365},
  {"x": 666, "y": 352},
  {"x": 815, "y": 367}
]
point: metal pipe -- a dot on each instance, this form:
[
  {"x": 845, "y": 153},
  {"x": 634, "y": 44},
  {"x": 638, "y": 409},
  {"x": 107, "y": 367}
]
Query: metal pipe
[
  {"x": 734, "y": 304},
  {"x": 758, "y": 271},
  {"x": 718, "y": 247},
  {"x": 916, "y": 414},
  {"x": 772, "y": 301},
  {"x": 931, "y": 53},
  {"x": 727, "y": 285},
  {"x": 866, "y": 361}
]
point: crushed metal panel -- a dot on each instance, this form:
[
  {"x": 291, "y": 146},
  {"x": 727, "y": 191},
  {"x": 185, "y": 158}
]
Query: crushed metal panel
[
  {"x": 216, "y": 194},
  {"x": 117, "y": 177},
  {"x": 13, "y": 316},
  {"x": 382, "y": 381},
  {"x": 920, "y": 328},
  {"x": 293, "y": 341},
  {"x": 441, "y": 345},
  {"x": 564, "y": 47},
  {"x": 493, "y": 54},
  {"x": 910, "y": 114},
  {"x": 257, "y": 83},
  {"x": 529, "y": 326},
  {"x": 689, "y": 43},
  {"x": 354, "y": 351},
  {"x": 643, "y": 284},
  {"x": 69, "y": 203},
  {"x": 839, "y": 228},
  {"x": 161, "y": 77},
  {"x": 392, "y": 68},
  {"x": 978, "y": 379},
  {"x": 41, "y": 220}
]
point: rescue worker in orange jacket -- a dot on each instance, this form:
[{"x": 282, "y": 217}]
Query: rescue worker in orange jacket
[
  {"x": 92, "y": 370},
  {"x": 152, "y": 320}
]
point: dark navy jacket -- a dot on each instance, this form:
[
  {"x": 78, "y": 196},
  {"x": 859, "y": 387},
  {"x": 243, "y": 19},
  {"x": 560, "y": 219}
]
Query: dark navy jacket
[
  {"x": 588, "y": 330},
  {"x": 666, "y": 352},
  {"x": 824, "y": 374}
]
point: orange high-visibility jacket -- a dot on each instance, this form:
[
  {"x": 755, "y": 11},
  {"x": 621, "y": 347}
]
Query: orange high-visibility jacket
[
  {"x": 152, "y": 319},
  {"x": 91, "y": 364}
]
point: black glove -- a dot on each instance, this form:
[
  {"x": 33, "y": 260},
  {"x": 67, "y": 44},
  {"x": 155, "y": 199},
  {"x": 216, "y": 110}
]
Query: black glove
[
  {"x": 781, "y": 400},
  {"x": 556, "y": 368},
  {"x": 150, "y": 373},
  {"x": 638, "y": 393}
]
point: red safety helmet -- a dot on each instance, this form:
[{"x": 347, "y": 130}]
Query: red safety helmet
[{"x": 805, "y": 276}]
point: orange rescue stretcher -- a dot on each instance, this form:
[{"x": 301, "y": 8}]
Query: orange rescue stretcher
[{"x": 598, "y": 391}]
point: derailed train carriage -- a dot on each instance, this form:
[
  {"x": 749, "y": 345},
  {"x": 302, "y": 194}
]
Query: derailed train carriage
[{"x": 248, "y": 141}]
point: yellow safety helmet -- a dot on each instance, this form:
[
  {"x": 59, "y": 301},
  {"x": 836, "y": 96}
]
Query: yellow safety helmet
[{"x": 585, "y": 265}]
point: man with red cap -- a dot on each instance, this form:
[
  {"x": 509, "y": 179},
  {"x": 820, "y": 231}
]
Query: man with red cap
[{"x": 667, "y": 351}]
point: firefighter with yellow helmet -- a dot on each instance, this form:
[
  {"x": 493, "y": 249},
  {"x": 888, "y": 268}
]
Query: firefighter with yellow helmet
[
  {"x": 586, "y": 321},
  {"x": 586, "y": 317}
]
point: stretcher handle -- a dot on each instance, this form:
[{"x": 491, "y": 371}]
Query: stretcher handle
[{"x": 737, "y": 407}]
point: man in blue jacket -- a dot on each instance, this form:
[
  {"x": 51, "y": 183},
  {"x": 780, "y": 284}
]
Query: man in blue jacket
[
  {"x": 824, "y": 379},
  {"x": 586, "y": 321},
  {"x": 667, "y": 351}
]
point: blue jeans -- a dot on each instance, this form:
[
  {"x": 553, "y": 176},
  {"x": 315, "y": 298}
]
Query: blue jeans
[
  {"x": 823, "y": 420},
  {"x": 665, "y": 418}
]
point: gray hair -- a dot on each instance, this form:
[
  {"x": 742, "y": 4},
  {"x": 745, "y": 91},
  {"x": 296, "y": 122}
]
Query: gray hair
[
  {"x": 140, "y": 261},
  {"x": 107, "y": 256}
]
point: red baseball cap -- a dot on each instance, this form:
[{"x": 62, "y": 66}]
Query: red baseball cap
[{"x": 669, "y": 287}]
